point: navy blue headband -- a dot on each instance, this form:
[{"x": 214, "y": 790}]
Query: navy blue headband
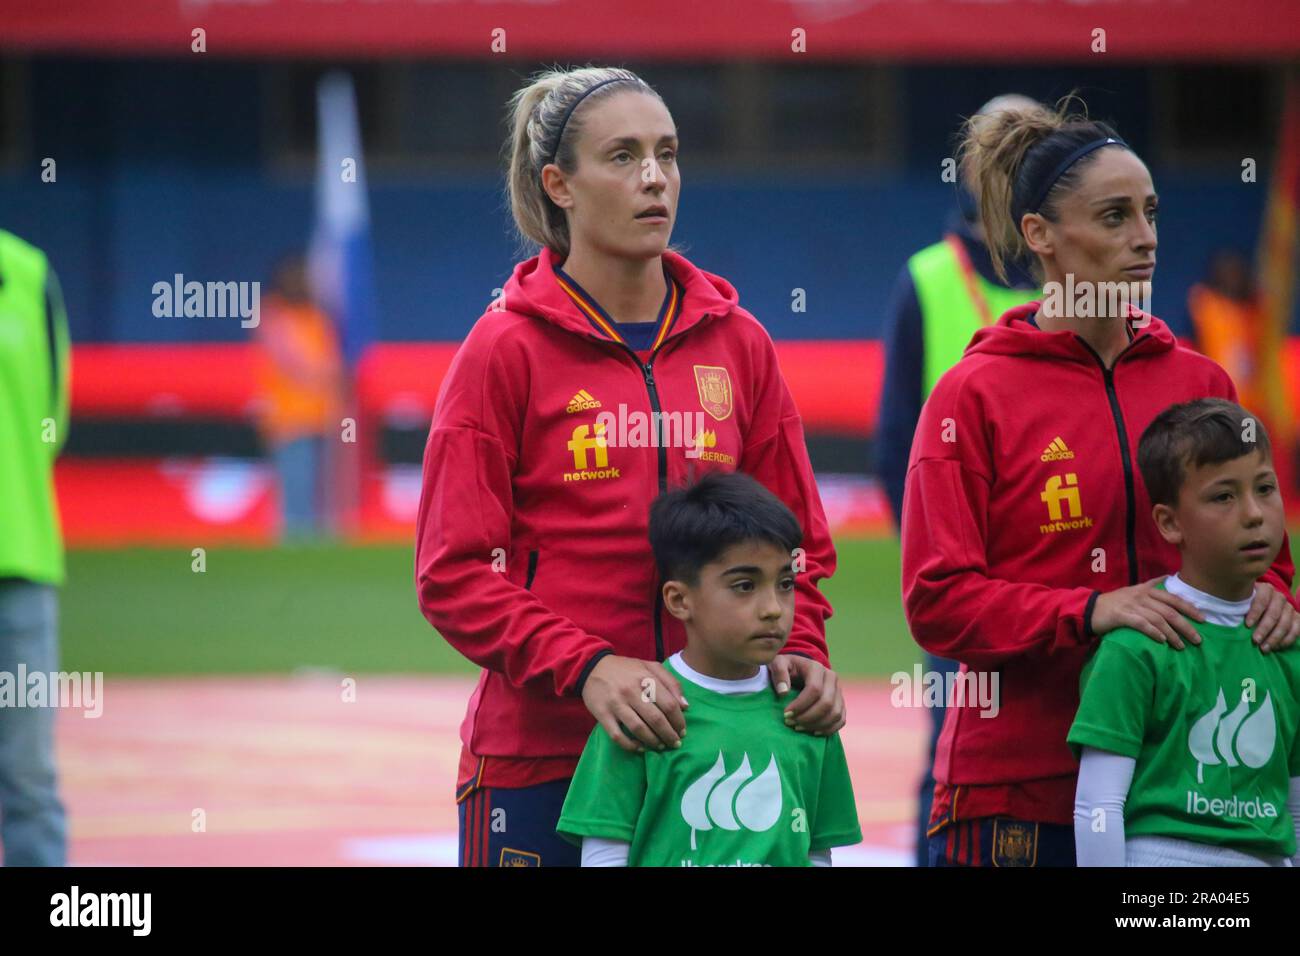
[
  {"x": 1041, "y": 193},
  {"x": 574, "y": 105}
]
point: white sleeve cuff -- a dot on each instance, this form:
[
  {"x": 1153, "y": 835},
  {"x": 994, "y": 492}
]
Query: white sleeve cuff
[{"x": 597, "y": 851}]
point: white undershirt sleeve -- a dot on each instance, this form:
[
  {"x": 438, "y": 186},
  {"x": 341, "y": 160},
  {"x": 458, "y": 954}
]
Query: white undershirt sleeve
[
  {"x": 1104, "y": 779},
  {"x": 820, "y": 857},
  {"x": 597, "y": 851}
]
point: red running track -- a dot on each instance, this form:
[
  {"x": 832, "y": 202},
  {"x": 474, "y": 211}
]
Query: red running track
[{"x": 271, "y": 771}]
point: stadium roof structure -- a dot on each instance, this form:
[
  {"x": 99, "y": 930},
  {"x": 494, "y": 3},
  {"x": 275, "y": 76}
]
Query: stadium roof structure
[{"x": 1031, "y": 31}]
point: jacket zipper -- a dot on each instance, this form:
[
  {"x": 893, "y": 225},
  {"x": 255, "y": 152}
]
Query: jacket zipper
[
  {"x": 648, "y": 372},
  {"x": 1130, "y": 493}
]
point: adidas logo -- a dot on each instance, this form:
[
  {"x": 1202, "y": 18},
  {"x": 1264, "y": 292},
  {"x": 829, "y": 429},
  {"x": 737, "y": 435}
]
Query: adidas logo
[
  {"x": 581, "y": 402},
  {"x": 1239, "y": 738},
  {"x": 736, "y": 802},
  {"x": 1056, "y": 451}
]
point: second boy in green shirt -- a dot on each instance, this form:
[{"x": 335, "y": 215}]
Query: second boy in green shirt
[{"x": 1192, "y": 757}]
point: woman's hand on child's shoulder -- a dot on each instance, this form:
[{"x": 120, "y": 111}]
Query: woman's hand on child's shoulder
[
  {"x": 1153, "y": 611},
  {"x": 1278, "y": 620},
  {"x": 819, "y": 709},
  {"x": 641, "y": 696}
]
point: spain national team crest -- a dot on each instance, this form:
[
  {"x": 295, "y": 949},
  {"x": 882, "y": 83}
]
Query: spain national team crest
[
  {"x": 714, "y": 385},
  {"x": 511, "y": 857},
  {"x": 1014, "y": 843}
]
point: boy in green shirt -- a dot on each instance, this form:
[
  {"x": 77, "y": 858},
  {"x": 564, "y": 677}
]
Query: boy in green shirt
[
  {"x": 1192, "y": 757},
  {"x": 744, "y": 789}
]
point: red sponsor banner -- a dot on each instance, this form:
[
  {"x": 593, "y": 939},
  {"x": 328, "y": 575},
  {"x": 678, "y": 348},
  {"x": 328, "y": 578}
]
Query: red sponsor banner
[
  {"x": 765, "y": 29},
  {"x": 113, "y": 503},
  {"x": 119, "y": 501},
  {"x": 164, "y": 381},
  {"x": 835, "y": 384},
  {"x": 201, "y": 501},
  {"x": 211, "y": 502},
  {"x": 398, "y": 382}
]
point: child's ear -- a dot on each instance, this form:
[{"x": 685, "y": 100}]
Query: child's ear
[
  {"x": 677, "y": 600},
  {"x": 1167, "y": 524}
]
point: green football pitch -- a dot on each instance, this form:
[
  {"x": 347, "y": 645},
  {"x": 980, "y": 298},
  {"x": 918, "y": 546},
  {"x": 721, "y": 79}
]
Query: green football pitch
[{"x": 353, "y": 610}]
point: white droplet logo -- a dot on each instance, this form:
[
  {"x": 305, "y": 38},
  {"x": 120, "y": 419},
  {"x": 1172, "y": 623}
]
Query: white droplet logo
[
  {"x": 724, "y": 793},
  {"x": 696, "y": 797},
  {"x": 1257, "y": 735},
  {"x": 758, "y": 804},
  {"x": 1239, "y": 738},
  {"x": 736, "y": 802}
]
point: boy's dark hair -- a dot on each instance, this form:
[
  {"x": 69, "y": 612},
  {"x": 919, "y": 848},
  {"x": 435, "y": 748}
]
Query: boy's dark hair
[
  {"x": 1204, "y": 432},
  {"x": 691, "y": 526}
]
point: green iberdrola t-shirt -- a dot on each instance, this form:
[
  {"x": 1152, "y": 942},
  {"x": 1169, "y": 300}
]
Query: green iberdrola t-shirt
[
  {"x": 1213, "y": 729},
  {"x": 742, "y": 790}
]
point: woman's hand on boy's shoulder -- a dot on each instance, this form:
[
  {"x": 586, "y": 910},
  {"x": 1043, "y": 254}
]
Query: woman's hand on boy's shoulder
[
  {"x": 819, "y": 708},
  {"x": 1153, "y": 611},
  {"x": 641, "y": 697},
  {"x": 1274, "y": 619}
]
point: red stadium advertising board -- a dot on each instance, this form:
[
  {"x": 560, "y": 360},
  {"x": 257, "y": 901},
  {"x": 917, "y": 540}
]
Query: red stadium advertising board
[
  {"x": 765, "y": 29},
  {"x": 126, "y": 497},
  {"x": 115, "y": 500}
]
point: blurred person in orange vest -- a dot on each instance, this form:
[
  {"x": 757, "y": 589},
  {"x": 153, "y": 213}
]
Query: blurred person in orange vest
[
  {"x": 1227, "y": 323},
  {"x": 301, "y": 383},
  {"x": 1230, "y": 326}
]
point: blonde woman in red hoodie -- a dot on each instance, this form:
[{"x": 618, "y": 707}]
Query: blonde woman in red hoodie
[
  {"x": 1026, "y": 528},
  {"x": 610, "y": 370}
]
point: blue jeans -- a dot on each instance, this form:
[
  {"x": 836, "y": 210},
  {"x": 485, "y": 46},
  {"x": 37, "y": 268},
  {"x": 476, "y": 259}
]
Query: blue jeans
[
  {"x": 33, "y": 831},
  {"x": 298, "y": 465}
]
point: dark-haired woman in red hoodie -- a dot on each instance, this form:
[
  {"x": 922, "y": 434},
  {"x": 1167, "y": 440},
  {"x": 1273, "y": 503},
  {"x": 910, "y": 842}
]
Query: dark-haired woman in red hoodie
[
  {"x": 1026, "y": 528},
  {"x": 610, "y": 370}
]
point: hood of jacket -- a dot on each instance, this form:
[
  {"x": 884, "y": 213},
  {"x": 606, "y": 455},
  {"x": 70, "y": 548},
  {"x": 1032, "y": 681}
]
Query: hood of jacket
[
  {"x": 533, "y": 290},
  {"x": 1014, "y": 334}
]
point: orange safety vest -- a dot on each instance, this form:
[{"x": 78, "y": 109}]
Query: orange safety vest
[
  {"x": 299, "y": 370},
  {"x": 1228, "y": 331}
]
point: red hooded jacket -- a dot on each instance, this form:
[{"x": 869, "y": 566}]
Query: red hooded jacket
[
  {"x": 532, "y": 551},
  {"x": 1023, "y": 503}
]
